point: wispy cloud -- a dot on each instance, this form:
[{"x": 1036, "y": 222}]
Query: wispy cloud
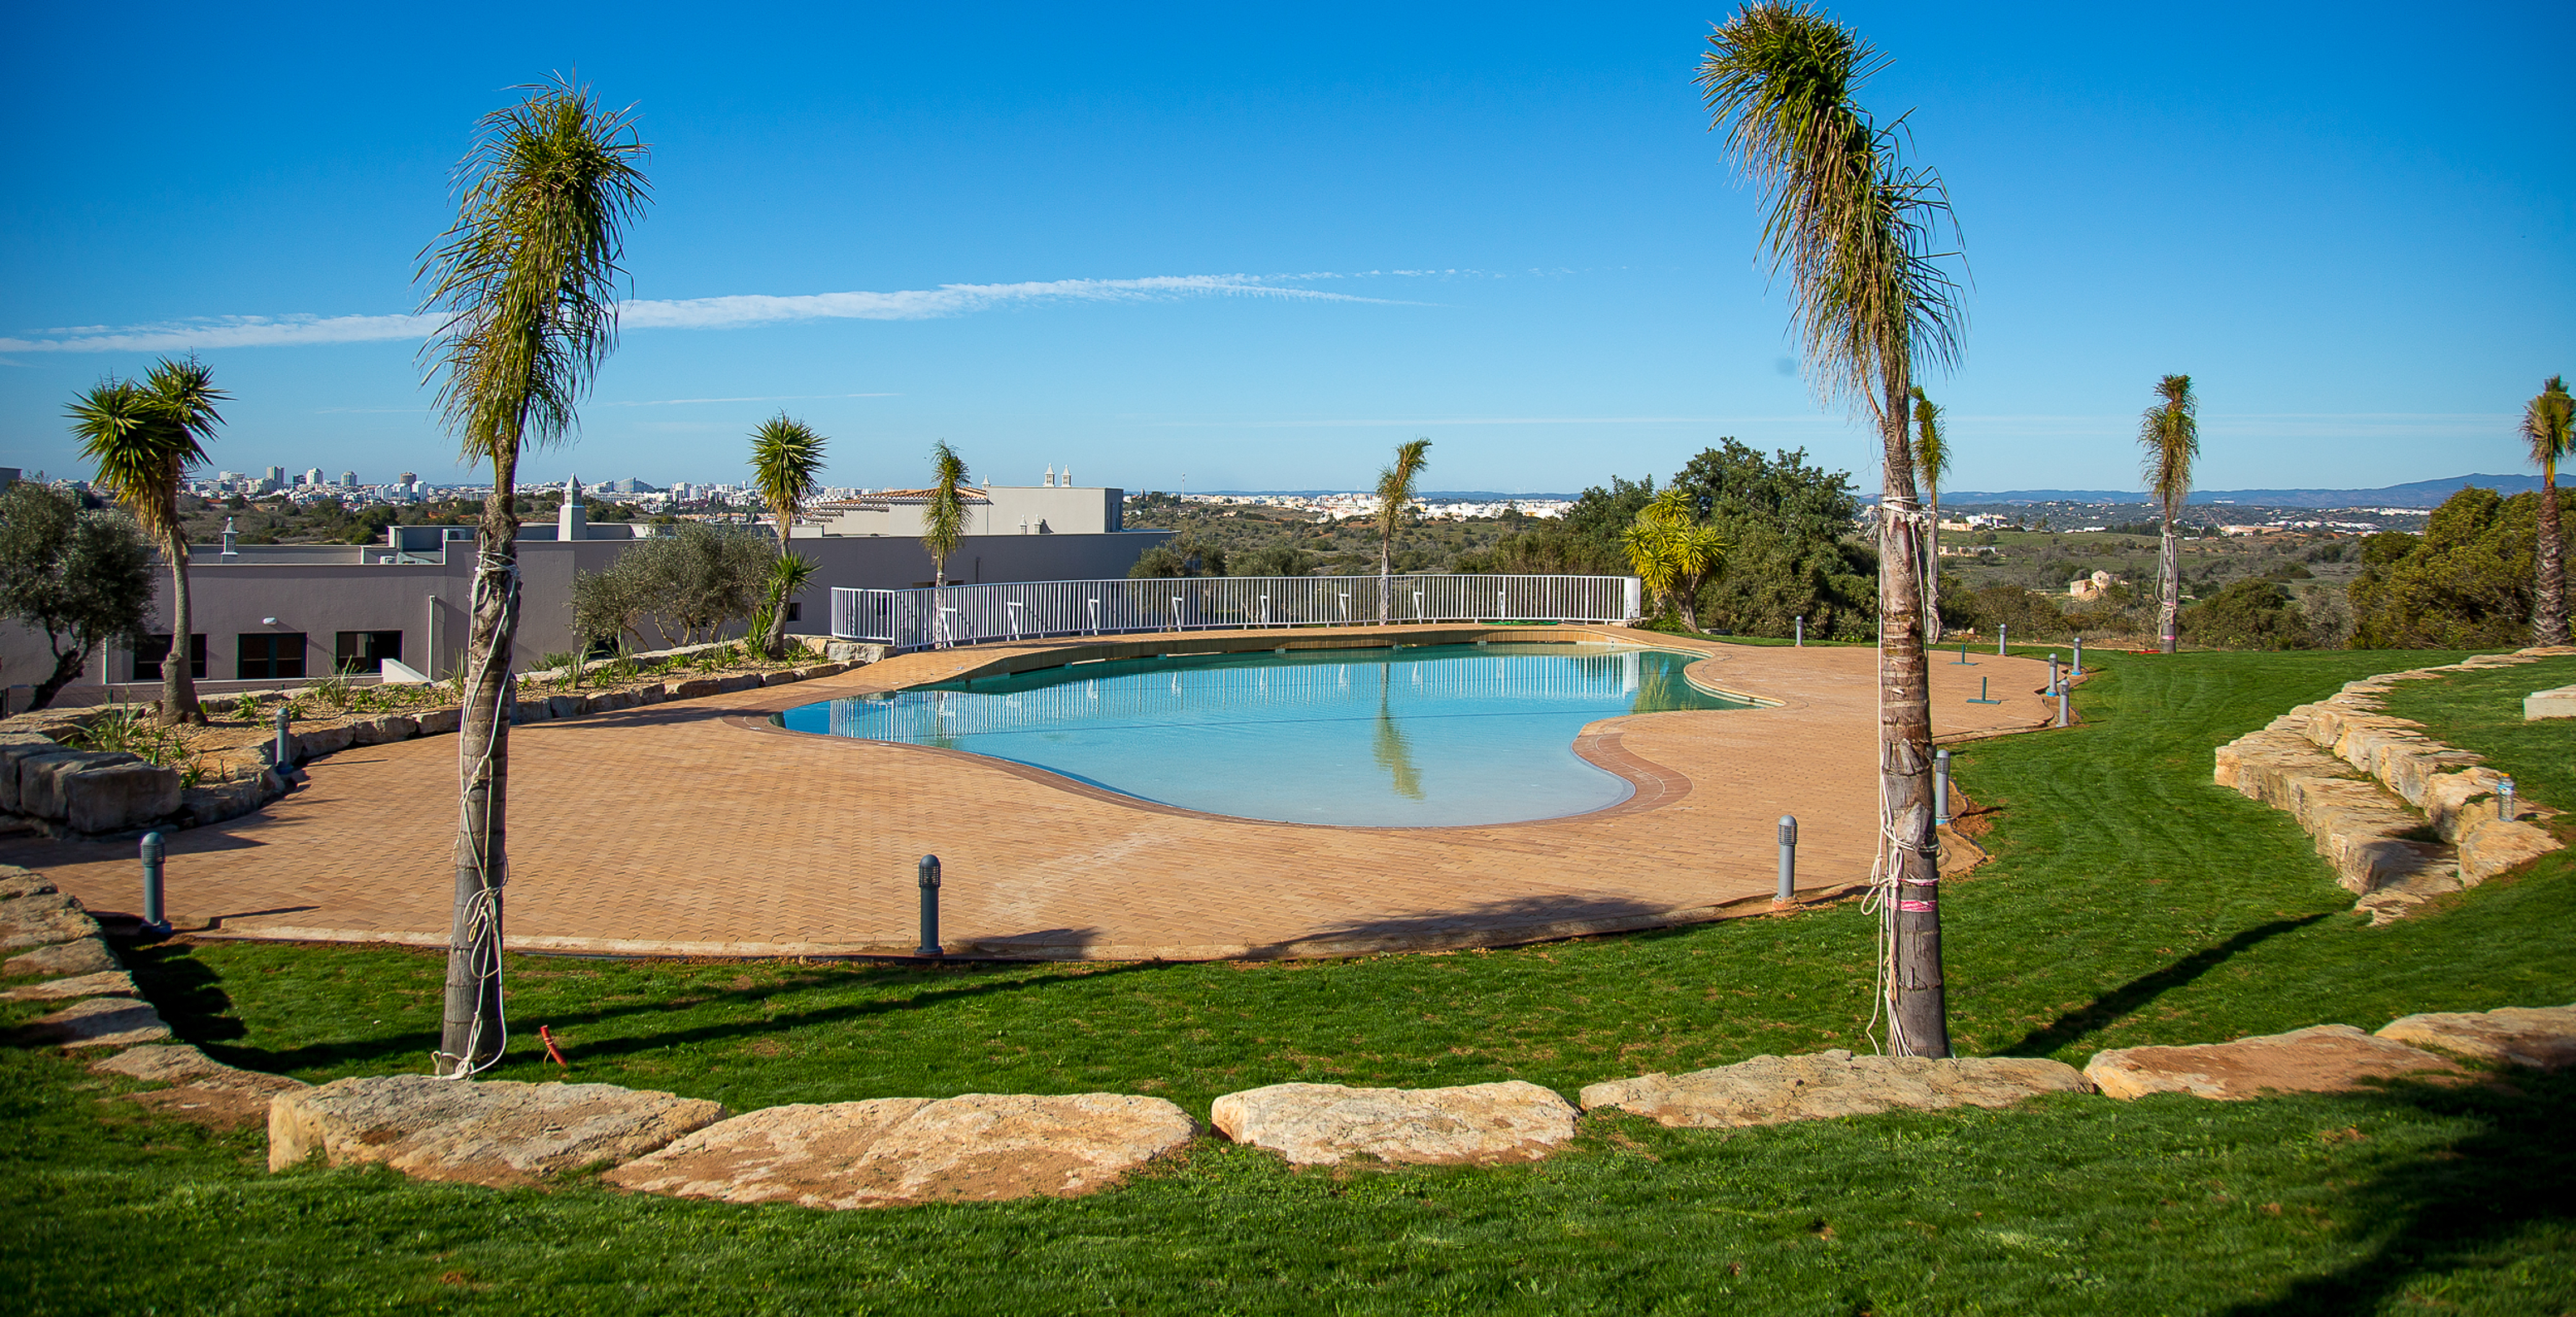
[
  {"x": 734, "y": 312},
  {"x": 1400, "y": 423}
]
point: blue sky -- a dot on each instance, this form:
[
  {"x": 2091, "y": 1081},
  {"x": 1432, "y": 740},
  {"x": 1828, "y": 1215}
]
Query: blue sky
[{"x": 1261, "y": 247}]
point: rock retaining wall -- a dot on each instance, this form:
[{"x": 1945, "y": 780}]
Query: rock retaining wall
[{"x": 2401, "y": 817}]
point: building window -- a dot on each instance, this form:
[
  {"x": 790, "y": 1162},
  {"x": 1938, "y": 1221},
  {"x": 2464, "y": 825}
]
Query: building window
[
  {"x": 269, "y": 655},
  {"x": 366, "y": 651},
  {"x": 795, "y": 613},
  {"x": 149, "y": 651}
]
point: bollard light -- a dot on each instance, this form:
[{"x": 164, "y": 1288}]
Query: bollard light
[
  {"x": 2053, "y": 686},
  {"x": 2504, "y": 800},
  {"x": 2000, "y": 629},
  {"x": 285, "y": 748},
  {"x": 2079, "y": 657},
  {"x": 1788, "y": 858},
  {"x": 1802, "y": 632},
  {"x": 929, "y": 908},
  {"x": 154, "y": 920},
  {"x": 1941, "y": 788}
]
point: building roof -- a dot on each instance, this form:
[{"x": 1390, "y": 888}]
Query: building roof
[{"x": 965, "y": 493}]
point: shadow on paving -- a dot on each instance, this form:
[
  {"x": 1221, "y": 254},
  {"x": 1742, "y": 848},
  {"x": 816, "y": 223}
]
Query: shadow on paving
[
  {"x": 2108, "y": 1008},
  {"x": 2456, "y": 1210},
  {"x": 1530, "y": 916}
]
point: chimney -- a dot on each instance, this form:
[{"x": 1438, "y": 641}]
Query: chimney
[{"x": 570, "y": 521}]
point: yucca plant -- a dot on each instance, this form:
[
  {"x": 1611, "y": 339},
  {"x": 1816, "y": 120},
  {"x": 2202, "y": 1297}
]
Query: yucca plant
[
  {"x": 1855, "y": 229},
  {"x": 787, "y": 469},
  {"x": 1671, "y": 552},
  {"x": 2545, "y": 421},
  {"x": 525, "y": 285},
  {"x": 943, "y": 521},
  {"x": 145, "y": 435},
  {"x": 1394, "y": 499},
  {"x": 2170, "y": 433}
]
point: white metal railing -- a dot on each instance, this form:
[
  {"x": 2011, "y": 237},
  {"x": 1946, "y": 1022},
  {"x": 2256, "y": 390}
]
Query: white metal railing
[{"x": 1018, "y": 610}]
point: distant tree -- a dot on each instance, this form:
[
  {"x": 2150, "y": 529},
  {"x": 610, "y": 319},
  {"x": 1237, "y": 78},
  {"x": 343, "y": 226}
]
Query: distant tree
[
  {"x": 144, "y": 435},
  {"x": 1394, "y": 502},
  {"x": 689, "y": 585},
  {"x": 1670, "y": 551},
  {"x": 84, "y": 578},
  {"x": 2170, "y": 432},
  {"x": 2466, "y": 583},
  {"x": 2250, "y": 614},
  {"x": 1931, "y": 461},
  {"x": 1272, "y": 560},
  {"x": 2545, "y": 427},
  {"x": 525, "y": 283},
  {"x": 1791, "y": 552},
  {"x": 943, "y": 521},
  {"x": 787, "y": 469}
]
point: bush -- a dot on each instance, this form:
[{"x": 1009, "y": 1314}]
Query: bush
[
  {"x": 2251, "y": 614},
  {"x": 2466, "y": 583}
]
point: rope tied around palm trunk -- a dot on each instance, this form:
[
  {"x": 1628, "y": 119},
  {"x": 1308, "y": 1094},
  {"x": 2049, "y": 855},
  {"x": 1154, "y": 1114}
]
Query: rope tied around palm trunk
[
  {"x": 478, "y": 936},
  {"x": 1887, "y": 866}
]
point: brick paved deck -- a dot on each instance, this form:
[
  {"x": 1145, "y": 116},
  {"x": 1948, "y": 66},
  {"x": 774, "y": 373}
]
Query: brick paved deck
[{"x": 698, "y": 828}]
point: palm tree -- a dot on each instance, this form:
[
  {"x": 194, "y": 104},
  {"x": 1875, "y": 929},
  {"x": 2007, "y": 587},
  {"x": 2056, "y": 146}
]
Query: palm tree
[
  {"x": 943, "y": 522},
  {"x": 144, "y": 437},
  {"x": 787, "y": 468},
  {"x": 2545, "y": 426},
  {"x": 2170, "y": 432},
  {"x": 1854, "y": 227},
  {"x": 1931, "y": 461},
  {"x": 1394, "y": 500},
  {"x": 1670, "y": 551},
  {"x": 525, "y": 281}
]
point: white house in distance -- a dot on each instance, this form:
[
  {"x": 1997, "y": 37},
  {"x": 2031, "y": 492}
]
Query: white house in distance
[{"x": 270, "y": 614}]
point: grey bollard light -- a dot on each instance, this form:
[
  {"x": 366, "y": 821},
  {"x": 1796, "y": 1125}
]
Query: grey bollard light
[
  {"x": 929, "y": 908},
  {"x": 154, "y": 920},
  {"x": 2000, "y": 629},
  {"x": 2504, "y": 800},
  {"x": 1941, "y": 788},
  {"x": 285, "y": 751},
  {"x": 1788, "y": 858},
  {"x": 2079, "y": 658},
  {"x": 1802, "y": 633}
]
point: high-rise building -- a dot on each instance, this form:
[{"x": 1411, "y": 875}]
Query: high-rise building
[
  {"x": 312, "y": 477},
  {"x": 348, "y": 480},
  {"x": 274, "y": 479},
  {"x": 408, "y": 478}
]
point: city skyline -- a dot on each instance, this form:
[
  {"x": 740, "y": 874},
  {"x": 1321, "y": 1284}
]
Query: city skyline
[{"x": 1264, "y": 255}]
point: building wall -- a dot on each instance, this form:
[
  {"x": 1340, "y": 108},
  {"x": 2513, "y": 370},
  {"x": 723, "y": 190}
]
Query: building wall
[
  {"x": 328, "y": 589},
  {"x": 1003, "y": 510}
]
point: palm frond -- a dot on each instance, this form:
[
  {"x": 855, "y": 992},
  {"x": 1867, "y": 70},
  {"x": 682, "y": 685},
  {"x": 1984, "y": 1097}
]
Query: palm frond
[
  {"x": 2545, "y": 424},
  {"x": 1931, "y": 447},
  {"x": 144, "y": 435},
  {"x": 786, "y": 466},
  {"x": 1396, "y": 480},
  {"x": 2170, "y": 434},
  {"x": 943, "y": 521}
]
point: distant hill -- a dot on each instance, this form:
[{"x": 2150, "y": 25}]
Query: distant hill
[
  {"x": 1427, "y": 496},
  {"x": 2419, "y": 494}
]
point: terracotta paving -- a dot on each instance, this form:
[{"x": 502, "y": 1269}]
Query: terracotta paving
[{"x": 696, "y": 827}]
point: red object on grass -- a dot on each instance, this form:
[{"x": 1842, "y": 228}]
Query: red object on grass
[{"x": 553, "y": 1053}]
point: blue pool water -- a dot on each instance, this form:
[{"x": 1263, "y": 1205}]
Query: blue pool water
[{"x": 1421, "y": 737}]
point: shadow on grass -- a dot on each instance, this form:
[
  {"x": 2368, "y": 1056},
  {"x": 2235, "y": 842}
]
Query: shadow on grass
[
  {"x": 2110, "y": 1007},
  {"x": 2456, "y": 1214}
]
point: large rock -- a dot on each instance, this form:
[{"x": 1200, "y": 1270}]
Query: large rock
[
  {"x": 42, "y": 920},
  {"x": 117, "y": 797},
  {"x": 893, "y": 1151},
  {"x": 16, "y": 881},
  {"x": 497, "y": 1133},
  {"x": 16, "y": 748},
  {"x": 2325, "y": 1059},
  {"x": 202, "y": 1090},
  {"x": 40, "y": 777},
  {"x": 105, "y": 983},
  {"x": 88, "y": 955},
  {"x": 1314, "y": 1124},
  {"x": 100, "y": 1022},
  {"x": 1770, "y": 1090},
  {"x": 2543, "y": 1037}
]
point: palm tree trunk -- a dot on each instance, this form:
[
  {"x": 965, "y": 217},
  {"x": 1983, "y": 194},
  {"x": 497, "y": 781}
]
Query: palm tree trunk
[
  {"x": 2549, "y": 556},
  {"x": 1918, "y": 1005},
  {"x": 471, "y": 1036},
  {"x": 1385, "y": 570},
  {"x": 2169, "y": 575},
  {"x": 178, "y": 678},
  {"x": 775, "y": 640}
]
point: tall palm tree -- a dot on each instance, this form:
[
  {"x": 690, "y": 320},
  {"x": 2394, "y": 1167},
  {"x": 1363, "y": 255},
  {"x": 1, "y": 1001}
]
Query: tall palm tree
[
  {"x": 943, "y": 522},
  {"x": 525, "y": 281},
  {"x": 1670, "y": 551},
  {"x": 2545, "y": 426},
  {"x": 787, "y": 469},
  {"x": 2170, "y": 432},
  {"x": 1931, "y": 461},
  {"x": 144, "y": 437},
  {"x": 1394, "y": 500},
  {"x": 1854, "y": 228}
]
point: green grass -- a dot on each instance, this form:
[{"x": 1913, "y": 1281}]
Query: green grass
[
  {"x": 2482, "y": 711},
  {"x": 2131, "y": 902}
]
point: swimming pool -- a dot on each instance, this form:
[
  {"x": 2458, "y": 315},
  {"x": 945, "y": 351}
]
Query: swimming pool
[{"x": 1421, "y": 737}]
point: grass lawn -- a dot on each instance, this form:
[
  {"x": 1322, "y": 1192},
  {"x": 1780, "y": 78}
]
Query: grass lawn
[
  {"x": 2482, "y": 711},
  {"x": 2131, "y": 902}
]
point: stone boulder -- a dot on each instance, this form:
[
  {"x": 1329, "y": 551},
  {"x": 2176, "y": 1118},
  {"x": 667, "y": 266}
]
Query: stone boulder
[
  {"x": 16, "y": 748},
  {"x": 117, "y": 797},
  {"x": 2542, "y": 1037},
  {"x": 1771, "y": 1090},
  {"x": 740, "y": 681},
  {"x": 1323, "y": 1124},
  {"x": 315, "y": 742},
  {"x": 40, "y": 777},
  {"x": 105, "y": 983},
  {"x": 2327, "y": 1058},
  {"x": 499, "y": 1132},
  {"x": 16, "y": 881},
  {"x": 88, "y": 955},
  {"x": 889, "y": 1152},
  {"x": 42, "y": 920},
  {"x": 202, "y": 1090},
  {"x": 385, "y": 728},
  {"x": 437, "y": 722},
  {"x": 690, "y": 690},
  {"x": 99, "y": 1022}
]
